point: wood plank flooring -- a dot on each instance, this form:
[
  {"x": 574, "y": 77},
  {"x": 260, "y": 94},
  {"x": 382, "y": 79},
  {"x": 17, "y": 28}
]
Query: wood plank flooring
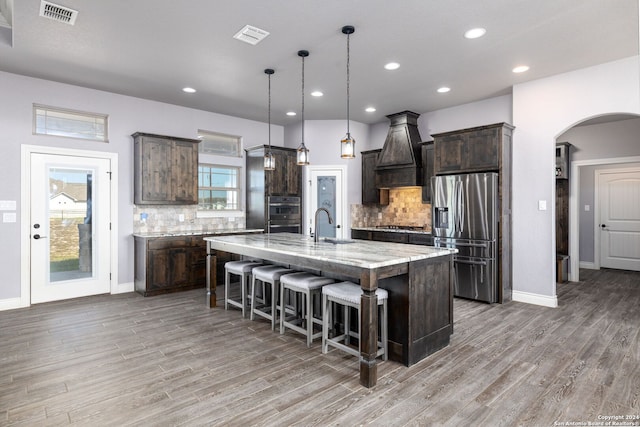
[{"x": 125, "y": 360}]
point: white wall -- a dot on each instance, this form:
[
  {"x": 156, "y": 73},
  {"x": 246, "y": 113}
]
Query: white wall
[
  {"x": 126, "y": 116},
  {"x": 542, "y": 110}
]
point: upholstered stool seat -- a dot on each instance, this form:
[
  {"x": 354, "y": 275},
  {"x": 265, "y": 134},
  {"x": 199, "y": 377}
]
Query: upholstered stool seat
[
  {"x": 243, "y": 269},
  {"x": 348, "y": 295},
  {"x": 270, "y": 274},
  {"x": 308, "y": 285}
]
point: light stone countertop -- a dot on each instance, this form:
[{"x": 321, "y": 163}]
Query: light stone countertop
[
  {"x": 356, "y": 253},
  {"x": 197, "y": 233}
]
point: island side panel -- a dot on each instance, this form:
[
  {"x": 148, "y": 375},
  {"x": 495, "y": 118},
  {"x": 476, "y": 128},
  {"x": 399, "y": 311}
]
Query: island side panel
[{"x": 431, "y": 307}]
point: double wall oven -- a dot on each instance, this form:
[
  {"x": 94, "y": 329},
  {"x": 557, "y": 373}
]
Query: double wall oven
[{"x": 284, "y": 214}]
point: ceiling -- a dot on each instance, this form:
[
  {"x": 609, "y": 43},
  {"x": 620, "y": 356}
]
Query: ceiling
[{"x": 153, "y": 48}]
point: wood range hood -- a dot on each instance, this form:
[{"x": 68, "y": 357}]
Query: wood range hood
[{"x": 400, "y": 162}]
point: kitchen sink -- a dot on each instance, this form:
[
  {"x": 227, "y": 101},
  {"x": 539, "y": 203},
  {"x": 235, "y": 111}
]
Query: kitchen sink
[{"x": 336, "y": 241}]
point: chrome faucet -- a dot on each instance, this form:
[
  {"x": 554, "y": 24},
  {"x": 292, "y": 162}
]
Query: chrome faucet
[{"x": 315, "y": 234}]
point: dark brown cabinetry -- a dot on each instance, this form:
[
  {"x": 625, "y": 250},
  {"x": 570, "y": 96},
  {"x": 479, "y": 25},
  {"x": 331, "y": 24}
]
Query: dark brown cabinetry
[
  {"x": 393, "y": 236},
  {"x": 370, "y": 194},
  {"x": 169, "y": 264},
  {"x": 484, "y": 149},
  {"x": 165, "y": 170},
  {"x": 479, "y": 149},
  {"x": 284, "y": 181},
  {"x": 427, "y": 170}
]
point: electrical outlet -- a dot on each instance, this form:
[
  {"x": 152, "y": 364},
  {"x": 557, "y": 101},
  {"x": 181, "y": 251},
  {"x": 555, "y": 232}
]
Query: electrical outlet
[
  {"x": 181, "y": 217},
  {"x": 542, "y": 205}
]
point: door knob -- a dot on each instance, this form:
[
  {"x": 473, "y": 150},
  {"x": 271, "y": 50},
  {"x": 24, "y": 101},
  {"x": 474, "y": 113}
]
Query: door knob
[
  {"x": 603, "y": 225},
  {"x": 37, "y": 236}
]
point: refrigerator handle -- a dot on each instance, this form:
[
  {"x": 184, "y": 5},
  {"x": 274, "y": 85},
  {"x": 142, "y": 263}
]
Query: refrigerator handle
[{"x": 459, "y": 210}]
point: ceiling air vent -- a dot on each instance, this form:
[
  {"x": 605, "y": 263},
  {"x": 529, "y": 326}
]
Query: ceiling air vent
[
  {"x": 251, "y": 35},
  {"x": 58, "y": 13}
]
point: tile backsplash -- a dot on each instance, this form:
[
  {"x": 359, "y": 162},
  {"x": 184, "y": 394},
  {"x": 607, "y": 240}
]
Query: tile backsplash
[
  {"x": 164, "y": 218},
  {"x": 405, "y": 208}
]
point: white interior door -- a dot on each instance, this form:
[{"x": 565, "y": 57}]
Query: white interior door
[
  {"x": 326, "y": 191},
  {"x": 619, "y": 207},
  {"x": 69, "y": 226}
]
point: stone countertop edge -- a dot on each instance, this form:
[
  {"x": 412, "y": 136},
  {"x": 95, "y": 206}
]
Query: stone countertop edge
[
  {"x": 392, "y": 230},
  {"x": 360, "y": 253},
  {"x": 196, "y": 233}
]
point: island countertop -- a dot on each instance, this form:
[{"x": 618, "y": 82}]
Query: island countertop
[
  {"x": 354, "y": 253},
  {"x": 418, "y": 279}
]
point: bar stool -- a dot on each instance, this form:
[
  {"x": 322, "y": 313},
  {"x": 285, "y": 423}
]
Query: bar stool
[
  {"x": 270, "y": 274},
  {"x": 348, "y": 295},
  {"x": 308, "y": 285},
  {"x": 243, "y": 269}
]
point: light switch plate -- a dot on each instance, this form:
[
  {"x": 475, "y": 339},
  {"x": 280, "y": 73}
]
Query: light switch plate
[
  {"x": 542, "y": 205},
  {"x": 587, "y": 208}
]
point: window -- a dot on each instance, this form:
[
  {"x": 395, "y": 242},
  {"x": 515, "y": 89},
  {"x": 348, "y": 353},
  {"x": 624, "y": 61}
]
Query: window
[
  {"x": 219, "y": 144},
  {"x": 69, "y": 123},
  {"x": 218, "y": 187}
]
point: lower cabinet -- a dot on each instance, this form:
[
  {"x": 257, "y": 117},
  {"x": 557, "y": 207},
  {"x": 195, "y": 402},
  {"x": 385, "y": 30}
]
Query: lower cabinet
[{"x": 169, "y": 264}]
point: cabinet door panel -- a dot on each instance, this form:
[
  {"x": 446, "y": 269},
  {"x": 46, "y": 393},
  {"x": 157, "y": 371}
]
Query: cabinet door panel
[
  {"x": 184, "y": 174},
  {"x": 450, "y": 153},
  {"x": 179, "y": 267},
  {"x": 483, "y": 150},
  {"x": 158, "y": 269},
  {"x": 156, "y": 166}
]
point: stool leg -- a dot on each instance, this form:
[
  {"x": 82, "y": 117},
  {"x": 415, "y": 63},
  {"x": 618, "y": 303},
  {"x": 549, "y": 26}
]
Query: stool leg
[
  {"x": 309, "y": 319},
  {"x": 347, "y": 325},
  {"x": 274, "y": 302},
  {"x": 385, "y": 331},
  {"x": 227, "y": 283},
  {"x": 325, "y": 323},
  {"x": 253, "y": 296},
  {"x": 243, "y": 291},
  {"x": 283, "y": 312}
]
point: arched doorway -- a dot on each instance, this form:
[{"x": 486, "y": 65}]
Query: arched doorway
[{"x": 604, "y": 142}]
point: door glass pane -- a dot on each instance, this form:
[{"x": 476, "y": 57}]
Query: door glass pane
[
  {"x": 326, "y": 199},
  {"x": 70, "y": 212}
]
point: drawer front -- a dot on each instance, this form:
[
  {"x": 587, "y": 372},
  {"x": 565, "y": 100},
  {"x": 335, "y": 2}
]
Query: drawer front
[{"x": 169, "y": 242}]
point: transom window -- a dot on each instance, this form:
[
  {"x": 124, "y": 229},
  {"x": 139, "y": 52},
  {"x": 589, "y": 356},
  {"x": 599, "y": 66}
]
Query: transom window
[
  {"x": 218, "y": 187},
  {"x": 219, "y": 144},
  {"x": 70, "y": 123}
]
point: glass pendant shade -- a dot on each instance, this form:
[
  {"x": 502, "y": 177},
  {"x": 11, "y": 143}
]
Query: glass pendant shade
[
  {"x": 269, "y": 161},
  {"x": 303, "y": 155},
  {"x": 348, "y": 147}
]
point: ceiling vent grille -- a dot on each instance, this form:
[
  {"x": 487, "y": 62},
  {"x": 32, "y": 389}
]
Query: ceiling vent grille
[
  {"x": 251, "y": 35},
  {"x": 58, "y": 13}
]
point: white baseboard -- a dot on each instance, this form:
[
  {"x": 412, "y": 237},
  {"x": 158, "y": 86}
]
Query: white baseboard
[
  {"x": 536, "y": 299},
  {"x": 121, "y": 288},
  {"x": 588, "y": 265},
  {"x": 11, "y": 303}
]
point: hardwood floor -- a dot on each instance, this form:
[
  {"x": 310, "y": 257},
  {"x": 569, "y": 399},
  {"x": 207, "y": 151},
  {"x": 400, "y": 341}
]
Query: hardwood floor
[{"x": 168, "y": 360}]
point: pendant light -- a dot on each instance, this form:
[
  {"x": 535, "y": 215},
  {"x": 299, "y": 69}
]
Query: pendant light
[
  {"x": 269, "y": 158},
  {"x": 303, "y": 151},
  {"x": 348, "y": 144}
]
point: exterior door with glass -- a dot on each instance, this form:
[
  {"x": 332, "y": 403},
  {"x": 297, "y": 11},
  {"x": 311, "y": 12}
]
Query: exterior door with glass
[
  {"x": 69, "y": 226},
  {"x": 326, "y": 192}
]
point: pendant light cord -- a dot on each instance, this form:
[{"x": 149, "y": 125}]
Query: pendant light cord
[
  {"x": 303, "y": 100},
  {"x": 269, "y": 114},
  {"x": 348, "y": 56}
]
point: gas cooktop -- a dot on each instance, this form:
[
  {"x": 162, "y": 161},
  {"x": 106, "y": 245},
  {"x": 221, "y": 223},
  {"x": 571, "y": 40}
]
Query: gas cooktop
[{"x": 401, "y": 227}]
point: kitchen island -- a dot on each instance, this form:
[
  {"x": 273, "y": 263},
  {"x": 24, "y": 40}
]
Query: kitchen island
[{"x": 418, "y": 279}]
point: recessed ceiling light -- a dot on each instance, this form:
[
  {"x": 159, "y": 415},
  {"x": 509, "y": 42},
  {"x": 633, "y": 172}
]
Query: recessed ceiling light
[
  {"x": 316, "y": 93},
  {"x": 291, "y": 113},
  {"x": 369, "y": 109},
  {"x": 474, "y": 33},
  {"x": 188, "y": 90},
  {"x": 444, "y": 89},
  {"x": 392, "y": 66},
  {"x": 520, "y": 69}
]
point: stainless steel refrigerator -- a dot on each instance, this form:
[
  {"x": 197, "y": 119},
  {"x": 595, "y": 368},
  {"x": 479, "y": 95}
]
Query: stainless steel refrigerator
[{"x": 465, "y": 217}]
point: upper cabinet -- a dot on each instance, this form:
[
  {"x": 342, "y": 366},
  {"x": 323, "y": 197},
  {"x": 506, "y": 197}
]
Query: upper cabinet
[
  {"x": 285, "y": 180},
  {"x": 427, "y": 170},
  {"x": 477, "y": 149},
  {"x": 165, "y": 170}
]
